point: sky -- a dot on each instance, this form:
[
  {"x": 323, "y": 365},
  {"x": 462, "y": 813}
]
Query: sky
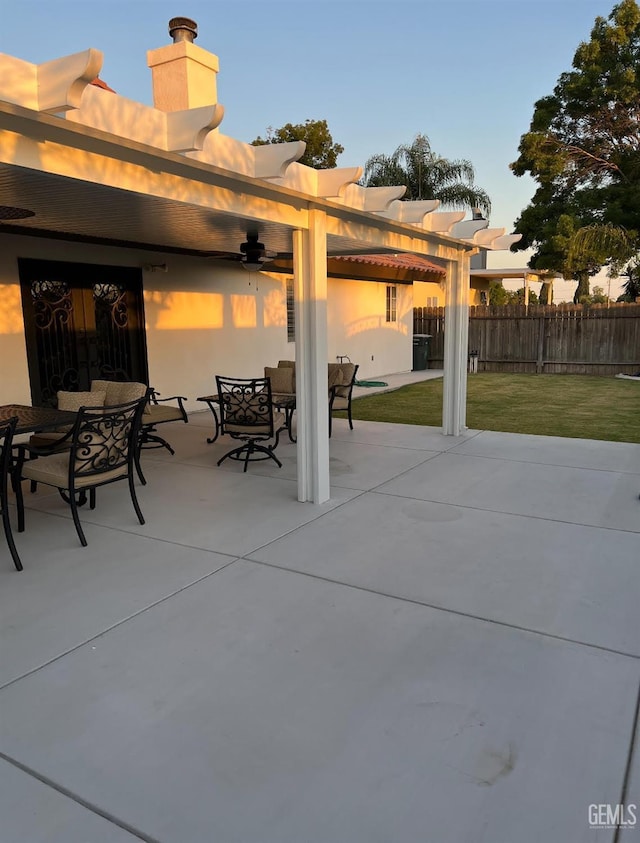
[{"x": 466, "y": 73}]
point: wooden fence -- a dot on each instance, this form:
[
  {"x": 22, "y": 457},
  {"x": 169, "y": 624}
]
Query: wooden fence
[{"x": 556, "y": 339}]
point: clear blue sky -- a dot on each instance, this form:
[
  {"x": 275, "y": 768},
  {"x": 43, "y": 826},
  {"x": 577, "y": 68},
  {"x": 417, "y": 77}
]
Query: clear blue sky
[{"x": 466, "y": 73}]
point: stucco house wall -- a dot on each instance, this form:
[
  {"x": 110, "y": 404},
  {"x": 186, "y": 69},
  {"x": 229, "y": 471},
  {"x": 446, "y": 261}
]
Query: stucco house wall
[
  {"x": 207, "y": 317},
  {"x": 357, "y": 327},
  {"x": 202, "y": 317}
]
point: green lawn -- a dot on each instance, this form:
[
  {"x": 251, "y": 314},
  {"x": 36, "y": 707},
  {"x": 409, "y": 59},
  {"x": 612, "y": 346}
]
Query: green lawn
[{"x": 551, "y": 405}]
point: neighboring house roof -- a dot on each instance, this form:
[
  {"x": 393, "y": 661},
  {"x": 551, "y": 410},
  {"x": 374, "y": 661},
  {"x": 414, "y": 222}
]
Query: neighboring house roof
[
  {"x": 400, "y": 261},
  {"x": 525, "y": 272}
]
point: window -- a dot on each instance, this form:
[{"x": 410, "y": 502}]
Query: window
[
  {"x": 432, "y": 301},
  {"x": 391, "y": 303},
  {"x": 291, "y": 312}
]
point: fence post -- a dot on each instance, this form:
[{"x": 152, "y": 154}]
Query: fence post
[{"x": 540, "y": 360}]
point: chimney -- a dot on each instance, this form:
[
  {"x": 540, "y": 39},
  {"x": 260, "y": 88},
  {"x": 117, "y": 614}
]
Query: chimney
[{"x": 183, "y": 75}]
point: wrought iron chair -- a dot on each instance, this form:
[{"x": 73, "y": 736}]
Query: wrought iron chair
[
  {"x": 103, "y": 393},
  {"x": 157, "y": 411},
  {"x": 7, "y": 429},
  {"x": 104, "y": 443},
  {"x": 247, "y": 413},
  {"x": 340, "y": 391}
]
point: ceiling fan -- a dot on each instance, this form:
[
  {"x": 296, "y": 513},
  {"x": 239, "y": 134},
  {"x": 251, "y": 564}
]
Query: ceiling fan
[{"x": 252, "y": 254}]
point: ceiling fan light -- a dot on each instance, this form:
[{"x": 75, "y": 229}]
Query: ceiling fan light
[{"x": 253, "y": 262}]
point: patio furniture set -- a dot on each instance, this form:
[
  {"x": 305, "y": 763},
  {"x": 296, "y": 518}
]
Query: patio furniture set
[
  {"x": 282, "y": 387},
  {"x": 91, "y": 439},
  {"x": 94, "y": 438}
]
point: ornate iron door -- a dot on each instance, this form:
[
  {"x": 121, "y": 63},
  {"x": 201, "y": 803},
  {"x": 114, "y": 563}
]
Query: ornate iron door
[{"x": 82, "y": 322}]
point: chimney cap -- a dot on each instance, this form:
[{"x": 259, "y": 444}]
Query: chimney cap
[{"x": 183, "y": 29}]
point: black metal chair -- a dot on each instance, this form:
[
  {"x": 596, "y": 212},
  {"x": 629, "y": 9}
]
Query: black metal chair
[
  {"x": 7, "y": 429},
  {"x": 247, "y": 413},
  {"x": 160, "y": 411},
  {"x": 157, "y": 411},
  {"x": 340, "y": 393},
  {"x": 104, "y": 443}
]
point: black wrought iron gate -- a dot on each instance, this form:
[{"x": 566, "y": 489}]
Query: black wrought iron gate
[{"x": 82, "y": 321}]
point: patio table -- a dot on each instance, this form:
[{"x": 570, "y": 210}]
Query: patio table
[
  {"x": 286, "y": 402},
  {"x": 36, "y": 419}
]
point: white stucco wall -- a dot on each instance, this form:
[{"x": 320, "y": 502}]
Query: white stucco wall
[
  {"x": 208, "y": 317},
  {"x": 203, "y": 317},
  {"x": 357, "y": 327}
]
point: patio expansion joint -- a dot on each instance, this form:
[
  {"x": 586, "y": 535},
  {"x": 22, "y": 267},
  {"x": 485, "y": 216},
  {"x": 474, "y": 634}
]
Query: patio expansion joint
[
  {"x": 449, "y": 611},
  {"x": 436, "y": 450},
  {"x": 540, "y": 462},
  {"x": 629, "y": 765},
  {"x": 377, "y": 491},
  {"x": 89, "y": 806},
  {"x": 232, "y": 560},
  {"x": 247, "y": 556}
]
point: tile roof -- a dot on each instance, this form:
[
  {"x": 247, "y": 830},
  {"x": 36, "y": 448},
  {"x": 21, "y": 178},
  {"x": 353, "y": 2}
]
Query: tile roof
[
  {"x": 100, "y": 84},
  {"x": 399, "y": 261}
]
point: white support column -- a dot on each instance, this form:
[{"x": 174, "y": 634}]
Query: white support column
[
  {"x": 310, "y": 284},
  {"x": 456, "y": 344}
]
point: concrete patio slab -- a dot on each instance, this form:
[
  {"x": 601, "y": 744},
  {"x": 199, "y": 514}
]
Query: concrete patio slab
[
  {"x": 68, "y": 594},
  {"x": 630, "y": 833},
  {"x": 564, "y": 580},
  {"x": 398, "y": 435},
  {"x": 266, "y": 706},
  {"x": 226, "y": 511},
  {"x": 384, "y": 667},
  {"x": 33, "y": 812},
  {"x": 576, "y": 495},
  {"x": 554, "y": 450},
  {"x": 351, "y": 465}
]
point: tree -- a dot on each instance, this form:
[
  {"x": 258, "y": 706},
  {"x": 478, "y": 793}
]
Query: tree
[
  {"x": 498, "y": 294},
  {"x": 631, "y": 286},
  {"x": 321, "y": 152},
  {"x": 583, "y": 149},
  {"x": 598, "y": 296},
  {"x": 427, "y": 176}
]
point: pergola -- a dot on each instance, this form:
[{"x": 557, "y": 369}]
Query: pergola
[{"x": 96, "y": 167}]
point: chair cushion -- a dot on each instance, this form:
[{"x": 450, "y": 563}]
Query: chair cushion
[
  {"x": 289, "y": 364},
  {"x": 340, "y": 403},
  {"x": 158, "y": 413},
  {"x": 74, "y": 400},
  {"x": 348, "y": 372},
  {"x": 120, "y": 392},
  {"x": 53, "y": 470},
  {"x": 279, "y": 421},
  {"x": 281, "y": 379},
  {"x": 335, "y": 374}
]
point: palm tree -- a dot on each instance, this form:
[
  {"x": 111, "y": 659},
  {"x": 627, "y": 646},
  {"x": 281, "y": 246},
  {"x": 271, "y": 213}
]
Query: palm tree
[{"x": 427, "y": 176}]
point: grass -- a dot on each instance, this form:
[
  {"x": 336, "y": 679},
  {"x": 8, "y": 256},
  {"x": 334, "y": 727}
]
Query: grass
[{"x": 577, "y": 406}]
